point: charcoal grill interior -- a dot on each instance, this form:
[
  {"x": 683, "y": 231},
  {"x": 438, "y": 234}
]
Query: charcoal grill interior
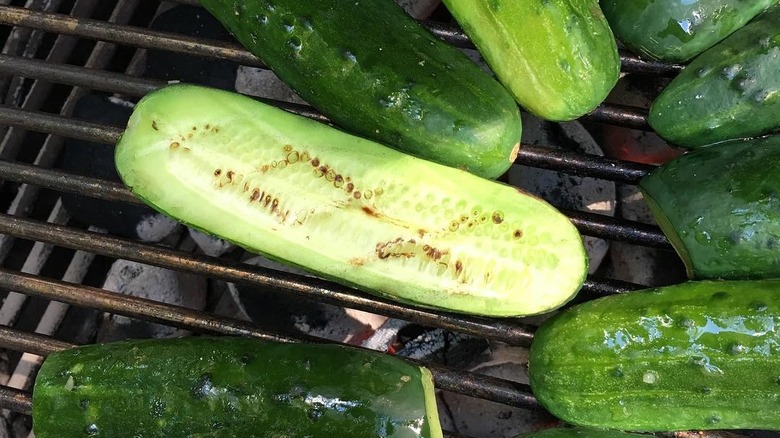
[{"x": 53, "y": 265}]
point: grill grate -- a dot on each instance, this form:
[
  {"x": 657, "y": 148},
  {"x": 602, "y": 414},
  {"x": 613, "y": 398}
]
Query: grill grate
[{"x": 70, "y": 25}]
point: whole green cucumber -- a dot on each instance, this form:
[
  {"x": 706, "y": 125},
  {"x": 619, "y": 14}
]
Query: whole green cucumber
[
  {"x": 698, "y": 355},
  {"x": 731, "y": 91},
  {"x": 583, "y": 432},
  {"x": 674, "y": 30},
  {"x": 348, "y": 208},
  {"x": 377, "y": 73},
  {"x": 719, "y": 206},
  {"x": 558, "y": 58},
  {"x": 231, "y": 387}
]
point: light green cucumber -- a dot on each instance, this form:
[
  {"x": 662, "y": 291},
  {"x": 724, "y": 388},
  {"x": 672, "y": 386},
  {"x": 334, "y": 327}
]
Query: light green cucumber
[
  {"x": 348, "y": 208},
  {"x": 558, "y": 58}
]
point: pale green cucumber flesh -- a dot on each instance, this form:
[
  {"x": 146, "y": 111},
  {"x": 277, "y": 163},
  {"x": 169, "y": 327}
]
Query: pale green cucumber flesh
[
  {"x": 347, "y": 208},
  {"x": 731, "y": 91},
  {"x": 231, "y": 387},
  {"x": 698, "y": 355},
  {"x": 558, "y": 58}
]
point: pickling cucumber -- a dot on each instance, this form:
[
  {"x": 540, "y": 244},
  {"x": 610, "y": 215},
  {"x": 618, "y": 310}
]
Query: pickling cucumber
[
  {"x": 377, "y": 73},
  {"x": 697, "y": 355},
  {"x": 348, "y": 208},
  {"x": 674, "y": 30},
  {"x": 731, "y": 91},
  {"x": 558, "y": 58},
  {"x": 231, "y": 387},
  {"x": 719, "y": 206},
  {"x": 572, "y": 432}
]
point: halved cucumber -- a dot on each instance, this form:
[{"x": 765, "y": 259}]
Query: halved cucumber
[{"x": 347, "y": 208}]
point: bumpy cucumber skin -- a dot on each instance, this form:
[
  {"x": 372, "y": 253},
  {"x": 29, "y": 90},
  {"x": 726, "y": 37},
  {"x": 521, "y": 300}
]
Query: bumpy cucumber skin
[
  {"x": 376, "y": 72},
  {"x": 558, "y": 58},
  {"x": 347, "y": 208},
  {"x": 698, "y": 355},
  {"x": 674, "y": 30},
  {"x": 729, "y": 92},
  {"x": 573, "y": 432},
  {"x": 231, "y": 387},
  {"x": 720, "y": 208}
]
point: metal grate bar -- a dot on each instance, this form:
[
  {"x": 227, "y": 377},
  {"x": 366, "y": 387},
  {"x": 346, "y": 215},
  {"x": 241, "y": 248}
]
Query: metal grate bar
[
  {"x": 35, "y": 343},
  {"x": 599, "y": 225},
  {"x": 16, "y": 400},
  {"x": 140, "y": 37},
  {"x": 310, "y": 288},
  {"x": 595, "y": 166},
  {"x": 476, "y": 385},
  {"x": 455, "y": 36}
]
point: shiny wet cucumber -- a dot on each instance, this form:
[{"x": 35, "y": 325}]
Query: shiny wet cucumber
[
  {"x": 231, "y": 387},
  {"x": 377, "y": 73},
  {"x": 674, "y": 30},
  {"x": 729, "y": 92},
  {"x": 558, "y": 58},
  {"x": 579, "y": 432},
  {"x": 698, "y": 355},
  {"x": 348, "y": 208},
  {"x": 719, "y": 206}
]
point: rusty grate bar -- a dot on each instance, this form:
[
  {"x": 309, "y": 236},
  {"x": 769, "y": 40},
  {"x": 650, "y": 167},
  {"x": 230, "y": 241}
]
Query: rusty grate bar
[
  {"x": 595, "y": 166},
  {"x": 446, "y": 378},
  {"x": 150, "y": 39},
  {"x": 310, "y": 288}
]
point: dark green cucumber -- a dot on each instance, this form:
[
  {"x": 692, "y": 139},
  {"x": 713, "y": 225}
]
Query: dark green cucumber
[
  {"x": 231, "y": 387},
  {"x": 698, "y": 355},
  {"x": 558, "y": 58},
  {"x": 720, "y": 208},
  {"x": 674, "y": 30},
  {"x": 581, "y": 432},
  {"x": 376, "y": 72},
  {"x": 348, "y": 208},
  {"x": 731, "y": 91}
]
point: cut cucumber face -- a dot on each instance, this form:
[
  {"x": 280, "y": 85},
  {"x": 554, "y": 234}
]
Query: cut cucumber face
[
  {"x": 231, "y": 387},
  {"x": 347, "y": 208}
]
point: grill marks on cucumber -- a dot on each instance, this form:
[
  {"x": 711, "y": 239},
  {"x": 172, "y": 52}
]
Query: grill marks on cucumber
[{"x": 347, "y": 208}]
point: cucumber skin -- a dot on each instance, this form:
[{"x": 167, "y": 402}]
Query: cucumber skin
[
  {"x": 652, "y": 27},
  {"x": 529, "y": 274},
  {"x": 697, "y": 355},
  {"x": 720, "y": 209},
  {"x": 376, "y": 72},
  {"x": 572, "y": 432},
  {"x": 712, "y": 100},
  {"x": 230, "y": 387},
  {"x": 558, "y": 58}
]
